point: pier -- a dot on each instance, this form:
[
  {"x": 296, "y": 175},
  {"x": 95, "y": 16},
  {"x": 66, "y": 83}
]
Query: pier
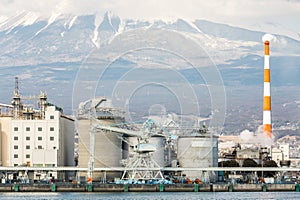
[
  {"x": 69, "y": 187},
  {"x": 96, "y": 186}
]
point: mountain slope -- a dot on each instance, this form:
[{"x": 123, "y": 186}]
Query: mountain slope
[{"x": 47, "y": 54}]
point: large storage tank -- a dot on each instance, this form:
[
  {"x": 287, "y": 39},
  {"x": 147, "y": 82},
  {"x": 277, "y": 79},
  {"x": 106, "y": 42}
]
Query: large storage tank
[
  {"x": 108, "y": 145},
  {"x": 158, "y": 155},
  {"x": 197, "y": 152}
]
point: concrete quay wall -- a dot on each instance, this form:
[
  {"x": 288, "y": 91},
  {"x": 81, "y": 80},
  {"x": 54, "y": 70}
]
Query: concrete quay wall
[
  {"x": 246, "y": 187},
  {"x": 281, "y": 187},
  {"x": 57, "y": 187}
]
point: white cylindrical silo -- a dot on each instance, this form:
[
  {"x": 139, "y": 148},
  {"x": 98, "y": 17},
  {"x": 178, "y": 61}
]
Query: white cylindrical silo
[
  {"x": 158, "y": 155},
  {"x": 197, "y": 152}
]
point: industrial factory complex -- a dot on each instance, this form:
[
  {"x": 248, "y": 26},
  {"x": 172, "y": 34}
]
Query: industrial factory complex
[
  {"x": 97, "y": 145},
  {"x": 43, "y": 138}
]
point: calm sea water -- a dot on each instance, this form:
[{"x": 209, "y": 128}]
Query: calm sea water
[{"x": 153, "y": 195}]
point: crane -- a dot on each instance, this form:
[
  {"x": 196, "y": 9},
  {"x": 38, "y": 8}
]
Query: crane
[{"x": 142, "y": 165}]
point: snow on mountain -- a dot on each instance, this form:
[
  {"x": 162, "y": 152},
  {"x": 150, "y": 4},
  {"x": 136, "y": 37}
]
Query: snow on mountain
[
  {"x": 97, "y": 22},
  {"x": 28, "y": 35},
  {"x": 71, "y": 38},
  {"x": 50, "y": 21},
  {"x": 50, "y": 53},
  {"x": 20, "y": 19},
  {"x": 72, "y": 22},
  {"x": 274, "y": 28}
]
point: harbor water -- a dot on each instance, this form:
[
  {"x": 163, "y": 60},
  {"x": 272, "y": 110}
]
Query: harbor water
[{"x": 151, "y": 195}]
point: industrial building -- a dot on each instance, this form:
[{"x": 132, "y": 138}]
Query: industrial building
[
  {"x": 118, "y": 144},
  {"x": 107, "y": 146},
  {"x": 42, "y": 137},
  {"x": 252, "y": 153}
]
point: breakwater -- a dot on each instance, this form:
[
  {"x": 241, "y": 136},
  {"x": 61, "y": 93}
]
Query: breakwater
[{"x": 65, "y": 187}]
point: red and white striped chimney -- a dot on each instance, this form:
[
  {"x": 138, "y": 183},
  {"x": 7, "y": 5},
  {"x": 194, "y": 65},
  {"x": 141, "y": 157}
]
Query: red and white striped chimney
[{"x": 267, "y": 125}]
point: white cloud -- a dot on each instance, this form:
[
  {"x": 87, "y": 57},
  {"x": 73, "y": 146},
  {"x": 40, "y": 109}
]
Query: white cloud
[{"x": 234, "y": 12}]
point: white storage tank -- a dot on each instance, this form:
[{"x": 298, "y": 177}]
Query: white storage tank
[
  {"x": 197, "y": 152},
  {"x": 158, "y": 155},
  {"x": 108, "y": 145}
]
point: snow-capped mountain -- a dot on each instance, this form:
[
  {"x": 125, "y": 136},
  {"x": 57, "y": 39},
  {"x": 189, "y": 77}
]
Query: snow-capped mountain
[
  {"x": 47, "y": 54},
  {"x": 32, "y": 39}
]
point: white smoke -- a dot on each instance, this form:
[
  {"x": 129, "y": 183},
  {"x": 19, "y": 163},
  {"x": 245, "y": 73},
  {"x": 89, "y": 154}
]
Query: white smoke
[
  {"x": 269, "y": 38},
  {"x": 247, "y": 136},
  {"x": 277, "y": 42},
  {"x": 258, "y": 137}
]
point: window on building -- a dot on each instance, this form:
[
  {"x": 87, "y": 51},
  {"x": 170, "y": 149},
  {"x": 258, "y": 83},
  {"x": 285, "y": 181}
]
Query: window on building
[
  {"x": 16, "y": 128},
  {"x": 16, "y": 138},
  {"x": 27, "y": 146},
  {"x": 51, "y": 128},
  {"x": 37, "y": 165},
  {"x": 40, "y": 147},
  {"x": 40, "y": 129},
  {"x": 27, "y": 138},
  {"x": 27, "y": 128},
  {"x": 16, "y": 147},
  {"x": 15, "y": 155},
  {"x": 51, "y": 116},
  {"x": 40, "y": 138},
  {"x": 51, "y": 138},
  {"x": 27, "y": 155},
  {"x": 15, "y": 165}
]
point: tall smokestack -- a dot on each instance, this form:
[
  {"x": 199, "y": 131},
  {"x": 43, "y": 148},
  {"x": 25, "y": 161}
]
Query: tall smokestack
[{"x": 267, "y": 125}]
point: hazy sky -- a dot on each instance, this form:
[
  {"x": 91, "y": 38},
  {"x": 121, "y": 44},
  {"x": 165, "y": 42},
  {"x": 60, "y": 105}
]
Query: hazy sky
[{"x": 244, "y": 13}]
